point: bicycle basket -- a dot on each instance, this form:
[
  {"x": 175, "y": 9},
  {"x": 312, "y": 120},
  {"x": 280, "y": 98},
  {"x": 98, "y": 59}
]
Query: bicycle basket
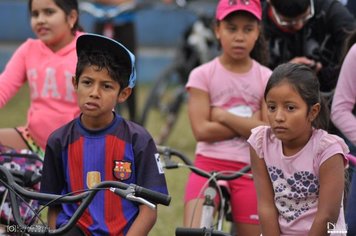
[{"x": 26, "y": 167}]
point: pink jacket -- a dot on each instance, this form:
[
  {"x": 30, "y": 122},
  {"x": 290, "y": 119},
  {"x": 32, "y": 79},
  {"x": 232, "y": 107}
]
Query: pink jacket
[
  {"x": 345, "y": 97},
  {"x": 49, "y": 76}
]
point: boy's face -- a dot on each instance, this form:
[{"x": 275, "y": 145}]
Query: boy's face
[{"x": 97, "y": 95}]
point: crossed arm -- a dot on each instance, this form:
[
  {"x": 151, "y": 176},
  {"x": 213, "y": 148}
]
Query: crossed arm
[{"x": 212, "y": 124}]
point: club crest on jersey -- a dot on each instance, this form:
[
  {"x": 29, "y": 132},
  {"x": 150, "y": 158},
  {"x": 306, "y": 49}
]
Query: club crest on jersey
[{"x": 122, "y": 170}]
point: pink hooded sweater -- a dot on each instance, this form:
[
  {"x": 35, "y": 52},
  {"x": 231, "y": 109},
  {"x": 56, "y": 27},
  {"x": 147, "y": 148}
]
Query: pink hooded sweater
[{"x": 49, "y": 75}]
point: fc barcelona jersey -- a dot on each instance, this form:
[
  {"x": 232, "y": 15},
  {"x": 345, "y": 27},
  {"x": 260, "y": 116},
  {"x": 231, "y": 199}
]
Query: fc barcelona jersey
[{"x": 77, "y": 159}]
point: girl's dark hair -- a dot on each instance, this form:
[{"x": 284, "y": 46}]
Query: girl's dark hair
[
  {"x": 290, "y": 8},
  {"x": 260, "y": 51},
  {"x": 306, "y": 83},
  {"x": 67, "y": 6},
  {"x": 117, "y": 67}
]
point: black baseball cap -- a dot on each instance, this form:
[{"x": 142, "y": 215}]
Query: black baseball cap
[{"x": 92, "y": 42}]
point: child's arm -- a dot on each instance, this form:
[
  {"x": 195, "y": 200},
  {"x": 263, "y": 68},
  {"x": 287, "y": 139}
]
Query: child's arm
[
  {"x": 144, "y": 221},
  {"x": 262, "y": 113},
  {"x": 264, "y": 116},
  {"x": 267, "y": 211},
  {"x": 52, "y": 214},
  {"x": 199, "y": 110},
  {"x": 330, "y": 194},
  {"x": 240, "y": 125}
]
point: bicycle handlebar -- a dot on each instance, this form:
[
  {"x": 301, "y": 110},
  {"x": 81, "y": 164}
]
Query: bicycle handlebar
[
  {"x": 129, "y": 191},
  {"x": 168, "y": 152},
  {"x": 199, "y": 232},
  {"x": 111, "y": 12},
  {"x": 116, "y": 10}
]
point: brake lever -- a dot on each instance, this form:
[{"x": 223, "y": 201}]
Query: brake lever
[
  {"x": 131, "y": 197},
  {"x": 129, "y": 194}
]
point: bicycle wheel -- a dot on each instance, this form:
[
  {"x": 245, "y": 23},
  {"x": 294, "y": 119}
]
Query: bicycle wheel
[{"x": 163, "y": 104}]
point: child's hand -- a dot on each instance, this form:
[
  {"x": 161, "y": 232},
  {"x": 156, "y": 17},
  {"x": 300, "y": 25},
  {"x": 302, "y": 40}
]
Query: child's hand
[
  {"x": 216, "y": 114},
  {"x": 315, "y": 65}
]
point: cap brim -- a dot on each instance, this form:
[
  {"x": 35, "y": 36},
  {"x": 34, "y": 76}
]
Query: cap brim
[{"x": 94, "y": 42}]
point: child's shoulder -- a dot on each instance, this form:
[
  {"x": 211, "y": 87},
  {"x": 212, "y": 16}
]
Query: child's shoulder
[
  {"x": 323, "y": 140},
  {"x": 259, "y": 138},
  {"x": 259, "y": 134},
  {"x": 63, "y": 130},
  {"x": 326, "y": 138},
  {"x": 207, "y": 65},
  {"x": 29, "y": 44},
  {"x": 136, "y": 130},
  {"x": 263, "y": 69},
  {"x": 137, "y": 135},
  {"x": 261, "y": 131}
]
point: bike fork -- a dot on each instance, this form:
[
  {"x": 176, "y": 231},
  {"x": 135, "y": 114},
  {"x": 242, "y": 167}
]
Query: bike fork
[{"x": 207, "y": 217}]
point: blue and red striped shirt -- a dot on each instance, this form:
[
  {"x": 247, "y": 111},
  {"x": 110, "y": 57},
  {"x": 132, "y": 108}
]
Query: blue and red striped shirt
[{"x": 76, "y": 156}]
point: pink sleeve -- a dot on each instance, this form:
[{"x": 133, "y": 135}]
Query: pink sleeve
[
  {"x": 198, "y": 79},
  {"x": 256, "y": 139},
  {"x": 13, "y": 76},
  {"x": 345, "y": 96},
  {"x": 266, "y": 74},
  {"x": 329, "y": 146}
]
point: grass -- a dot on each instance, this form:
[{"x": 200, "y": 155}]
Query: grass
[{"x": 14, "y": 114}]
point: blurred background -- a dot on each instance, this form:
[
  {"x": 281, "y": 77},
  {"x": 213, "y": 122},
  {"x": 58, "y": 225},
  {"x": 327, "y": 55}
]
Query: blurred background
[{"x": 160, "y": 28}]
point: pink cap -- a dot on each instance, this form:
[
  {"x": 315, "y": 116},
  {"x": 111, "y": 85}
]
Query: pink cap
[{"x": 225, "y": 7}]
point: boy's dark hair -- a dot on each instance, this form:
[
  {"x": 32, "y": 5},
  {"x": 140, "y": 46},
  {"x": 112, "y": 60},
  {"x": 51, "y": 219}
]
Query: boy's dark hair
[
  {"x": 67, "y": 6},
  {"x": 260, "y": 51},
  {"x": 116, "y": 67},
  {"x": 305, "y": 82},
  {"x": 290, "y": 8}
]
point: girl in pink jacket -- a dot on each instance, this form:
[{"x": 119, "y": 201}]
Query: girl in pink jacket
[{"x": 47, "y": 64}]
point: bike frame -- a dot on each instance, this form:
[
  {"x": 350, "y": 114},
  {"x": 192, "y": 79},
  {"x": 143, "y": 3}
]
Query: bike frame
[
  {"x": 131, "y": 192},
  {"x": 167, "y": 94},
  {"x": 214, "y": 181}
]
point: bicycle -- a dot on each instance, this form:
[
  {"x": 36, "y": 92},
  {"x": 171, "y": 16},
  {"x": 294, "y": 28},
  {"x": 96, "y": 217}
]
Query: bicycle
[
  {"x": 26, "y": 168},
  {"x": 167, "y": 94},
  {"x": 210, "y": 224},
  {"x": 130, "y": 192}
]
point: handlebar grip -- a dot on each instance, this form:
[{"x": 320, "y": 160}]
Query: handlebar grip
[
  {"x": 153, "y": 196},
  {"x": 198, "y": 232}
]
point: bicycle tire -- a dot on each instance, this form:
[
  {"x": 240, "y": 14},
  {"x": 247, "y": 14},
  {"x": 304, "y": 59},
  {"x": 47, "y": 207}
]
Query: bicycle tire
[{"x": 163, "y": 103}]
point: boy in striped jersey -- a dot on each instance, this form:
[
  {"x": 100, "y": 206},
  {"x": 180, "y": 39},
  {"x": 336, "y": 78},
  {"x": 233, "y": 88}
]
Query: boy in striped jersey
[{"x": 100, "y": 144}]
